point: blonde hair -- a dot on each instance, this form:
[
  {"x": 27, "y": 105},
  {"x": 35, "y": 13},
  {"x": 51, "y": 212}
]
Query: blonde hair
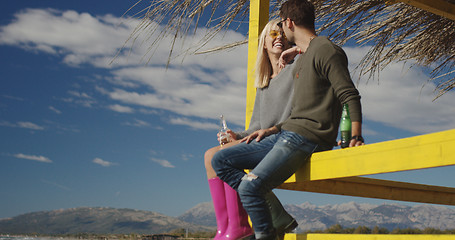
[{"x": 263, "y": 66}]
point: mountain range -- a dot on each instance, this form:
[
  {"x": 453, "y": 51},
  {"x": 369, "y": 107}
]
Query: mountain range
[
  {"x": 95, "y": 220},
  {"x": 202, "y": 218},
  {"x": 352, "y": 214}
]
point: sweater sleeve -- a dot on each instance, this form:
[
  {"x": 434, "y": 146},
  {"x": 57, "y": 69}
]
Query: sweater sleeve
[
  {"x": 255, "y": 123},
  {"x": 339, "y": 76}
]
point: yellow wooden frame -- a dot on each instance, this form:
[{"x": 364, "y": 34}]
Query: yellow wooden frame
[
  {"x": 438, "y": 7},
  {"x": 259, "y": 16},
  {"x": 324, "y": 236}
]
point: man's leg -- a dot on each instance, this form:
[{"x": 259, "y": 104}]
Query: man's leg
[
  {"x": 229, "y": 163},
  {"x": 284, "y": 159}
]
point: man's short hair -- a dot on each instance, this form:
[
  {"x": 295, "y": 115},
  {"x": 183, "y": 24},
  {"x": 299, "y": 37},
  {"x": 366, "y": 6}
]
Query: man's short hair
[{"x": 299, "y": 11}]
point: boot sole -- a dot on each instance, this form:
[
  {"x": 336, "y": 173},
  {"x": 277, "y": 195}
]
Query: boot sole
[{"x": 289, "y": 228}]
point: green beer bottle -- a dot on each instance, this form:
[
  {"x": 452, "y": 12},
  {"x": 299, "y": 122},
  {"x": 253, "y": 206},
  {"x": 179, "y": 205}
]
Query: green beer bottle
[{"x": 345, "y": 127}]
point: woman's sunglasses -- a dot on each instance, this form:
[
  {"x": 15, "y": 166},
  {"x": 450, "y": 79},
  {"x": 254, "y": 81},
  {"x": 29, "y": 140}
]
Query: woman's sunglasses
[{"x": 274, "y": 34}]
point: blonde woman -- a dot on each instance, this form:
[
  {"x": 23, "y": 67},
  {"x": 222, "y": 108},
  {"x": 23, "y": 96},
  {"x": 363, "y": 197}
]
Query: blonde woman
[{"x": 272, "y": 105}]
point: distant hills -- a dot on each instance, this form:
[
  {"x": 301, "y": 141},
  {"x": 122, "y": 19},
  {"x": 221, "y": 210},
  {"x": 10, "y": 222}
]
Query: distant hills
[
  {"x": 202, "y": 218},
  {"x": 312, "y": 217},
  {"x": 95, "y": 220},
  {"x": 389, "y": 216}
]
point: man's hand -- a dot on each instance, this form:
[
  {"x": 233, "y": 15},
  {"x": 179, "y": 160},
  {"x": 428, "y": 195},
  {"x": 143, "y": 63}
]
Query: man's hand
[
  {"x": 356, "y": 131},
  {"x": 260, "y": 134}
]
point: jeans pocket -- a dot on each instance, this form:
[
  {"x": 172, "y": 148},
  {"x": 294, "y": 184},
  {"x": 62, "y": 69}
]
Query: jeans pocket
[{"x": 298, "y": 141}]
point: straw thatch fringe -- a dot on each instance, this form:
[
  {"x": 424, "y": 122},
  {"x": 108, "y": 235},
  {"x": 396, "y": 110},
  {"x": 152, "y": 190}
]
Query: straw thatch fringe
[
  {"x": 397, "y": 32},
  {"x": 178, "y": 18}
]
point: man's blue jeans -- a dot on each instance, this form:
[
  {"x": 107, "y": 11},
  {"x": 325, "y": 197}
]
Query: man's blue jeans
[{"x": 272, "y": 160}]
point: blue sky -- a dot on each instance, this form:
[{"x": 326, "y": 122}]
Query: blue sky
[{"x": 77, "y": 131}]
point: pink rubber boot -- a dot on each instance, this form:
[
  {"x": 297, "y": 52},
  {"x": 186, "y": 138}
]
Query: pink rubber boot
[
  {"x": 216, "y": 186},
  {"x": 238, "y": 227}
]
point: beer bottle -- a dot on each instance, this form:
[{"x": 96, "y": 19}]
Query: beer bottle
[
  {"x": 223, "y": 135},
  {"x": 345, "y": 127}
]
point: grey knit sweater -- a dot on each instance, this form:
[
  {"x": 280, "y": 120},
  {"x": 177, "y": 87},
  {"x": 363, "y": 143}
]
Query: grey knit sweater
[{"x": 273, "y": 103}]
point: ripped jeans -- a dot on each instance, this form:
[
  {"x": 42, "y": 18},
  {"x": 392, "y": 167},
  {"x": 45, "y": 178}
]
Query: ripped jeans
[{"x": 272, "y": 160}]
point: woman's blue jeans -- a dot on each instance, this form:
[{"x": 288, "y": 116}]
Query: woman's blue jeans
[{"x": 272, "y": 160}]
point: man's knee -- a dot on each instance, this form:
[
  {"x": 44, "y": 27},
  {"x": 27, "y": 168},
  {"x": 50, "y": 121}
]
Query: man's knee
[
  {"x": 250, "y": 185},
  {"x": 217, "y": 160}
]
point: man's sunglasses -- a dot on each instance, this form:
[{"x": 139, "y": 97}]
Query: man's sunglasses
[{"x": 280, "y": 23}]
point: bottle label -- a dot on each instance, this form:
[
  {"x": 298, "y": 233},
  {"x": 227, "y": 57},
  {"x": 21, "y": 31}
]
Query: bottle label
[
  {"x": 224, "y": 138},
  {"x": 345, "y": 138}
]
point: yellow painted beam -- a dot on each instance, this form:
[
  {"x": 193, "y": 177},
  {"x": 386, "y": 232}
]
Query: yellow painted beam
[
  {"x": 438, "y": 7},
  {"x": 324, "y": 236},
  {"x": 425, "y": 151},
  {"x": 377, "y": 188},
  {"x": 259, "y": 16}
]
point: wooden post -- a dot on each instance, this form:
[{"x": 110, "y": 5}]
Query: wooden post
[{"x": 259, "y": 16}]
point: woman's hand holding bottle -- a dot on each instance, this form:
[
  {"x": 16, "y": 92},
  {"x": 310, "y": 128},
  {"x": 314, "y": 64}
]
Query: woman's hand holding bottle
[{"x": 225, "y": 135}]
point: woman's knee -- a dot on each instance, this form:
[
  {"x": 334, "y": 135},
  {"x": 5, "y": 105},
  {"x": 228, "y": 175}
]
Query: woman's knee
[{"x": 209, "y": 155}]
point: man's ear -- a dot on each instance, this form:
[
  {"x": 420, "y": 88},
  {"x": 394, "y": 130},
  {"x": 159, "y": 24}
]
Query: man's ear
[{"x": 290, "y": 24}]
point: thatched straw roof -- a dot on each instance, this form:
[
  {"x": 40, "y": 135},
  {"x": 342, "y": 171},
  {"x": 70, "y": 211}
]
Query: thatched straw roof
[{"x": 396, "y": 32}]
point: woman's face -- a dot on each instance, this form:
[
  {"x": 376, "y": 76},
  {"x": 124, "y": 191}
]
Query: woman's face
[{"x": 275, "y": 41}]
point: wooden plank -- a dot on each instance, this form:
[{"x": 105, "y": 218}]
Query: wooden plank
[
  {"x": 377, "y": 188},
  {"x": 259, "y": 16},
  {"x": 324, "y": 236},
  {"x": 438, "y": 7},
  {"x": 425, "y": 151}
]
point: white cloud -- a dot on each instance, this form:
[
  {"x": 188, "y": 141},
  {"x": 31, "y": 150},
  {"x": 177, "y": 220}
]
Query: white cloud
[
  {"x": 162, "y": 162},
  {"x": 33, "y": 158},
  {"x": 120, "y": 108},
  {"x": 194, "y": 124},
  {"x": 187, "y": 157},
  {"x": 80, "y": 98},
  {"x": 79, "y": 94},
  {"x": 186, "y": 91},
  {"x": 7, "y": 124},
  {"x": 202, "y": 86},
  {"x": 27, "y": 125},
  {"x": 76, "y": 36},
  {"x": 55, "y": 110},
  {"x": 403, "y": 98},
  {"x": 102, "y": 162},
  {"x": 137, "y": 123},
  {"x": 56, "y": 185},
  {"x": 13, "y": 97}
]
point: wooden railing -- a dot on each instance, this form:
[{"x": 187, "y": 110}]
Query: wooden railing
[{"x": 339, "y": 171}]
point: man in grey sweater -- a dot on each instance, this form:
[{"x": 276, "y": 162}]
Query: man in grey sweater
[{"x": 321, "y": 85}]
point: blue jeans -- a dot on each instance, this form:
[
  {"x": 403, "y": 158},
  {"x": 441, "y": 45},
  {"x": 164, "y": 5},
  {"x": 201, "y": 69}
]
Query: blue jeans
[{"x": 272, "y": 160}]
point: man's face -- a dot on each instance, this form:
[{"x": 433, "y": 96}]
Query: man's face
[{"x": 284, "y": 24}]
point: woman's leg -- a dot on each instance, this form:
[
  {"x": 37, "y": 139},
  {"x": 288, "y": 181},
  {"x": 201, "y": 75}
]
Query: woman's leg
[
  {"x": 209, "y": 155},
  {"x": 208, "y": 161},
  {"x": 232, "y": 220},
  {"x": 219, "y": 204}
]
